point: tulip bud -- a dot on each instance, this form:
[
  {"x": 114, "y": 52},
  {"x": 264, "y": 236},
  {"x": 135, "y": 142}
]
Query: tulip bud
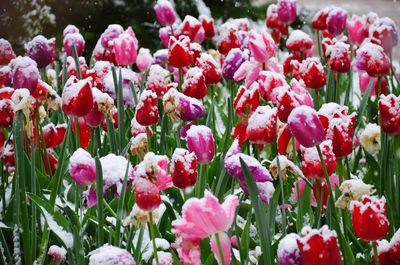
[
  {"x": 287, "y": 11},
  {"x": 84, "y": 132},
  {"x": 384, "y": 32},
  {"x": 306, "y": 126},
  {"x": 165, "y": 13},
  {"x": 319, "y": 19},
  {"x": 112, "y": 32},
  {"x": 272, "y": 20},
  {"x": 311, "y": 163},
  {"x": 73, "y": 39},
  {"x": 147, "y": 109},
  {"x": 54, "y": 135},
  {"x": 208, "y": 26},
  {"x": 25, "y": 73},
  {"x": 357, "y": 28},
  {"x": 336, "y": 20},
  {"x": 110, "y": 255},
  {"x": 389, "y": 110},
  {"x": 211, "y": 70},
  {"x": 338, "y": 56},
  {"x": 144, "y": 59},
  {"x": 194, "y": 84},
  {"x": 369, "y": 218},
  {"x": 312, "y": 73},
  {"x": 82, "y": 168},
  {"x": 268, "y": 82},
  {"x": 246, "y": 101},
  {"x": 125, "y": 48},
  {"x": 229, "y": 38},
  {"x": 200, "y": 140},
  {"x": 261, "y": 128},
  {"x": 179, "y": 54},
  {"x": 372, "y": 59},
  {"x": 147, "y": 194},
  {"x": 319, "y": 247},
  {"x": 179, "y": 106},
  {"x": 77, "y": 97},
  {"x": 57, "y": 253},
  {"x": 233, "y": 61},
  {"x": 157, "y": 80},
  {"x": 192, "y": 28},
  {"x": 6, "y": 52},
  {"x": 261, "y": 46},
  {"x": 41, "y": 50},
  {"x": 288, "y": 250},
  {"x": 299, "y": 41},
  {"x": 183, "y": 168},
  {"x": 6, "y": 107}
]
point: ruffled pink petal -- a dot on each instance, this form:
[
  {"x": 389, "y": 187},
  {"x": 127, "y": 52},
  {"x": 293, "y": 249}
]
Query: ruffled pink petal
[{"x": 226, "y": 248}]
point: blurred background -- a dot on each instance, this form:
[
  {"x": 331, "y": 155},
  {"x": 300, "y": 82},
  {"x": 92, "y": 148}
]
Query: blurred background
[{"x": 20, "y": 20}]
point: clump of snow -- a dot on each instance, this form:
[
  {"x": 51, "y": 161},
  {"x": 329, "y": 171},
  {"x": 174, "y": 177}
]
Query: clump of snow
[
  {"x": 114, "y": 168},
  {"x": 370, "y": 138}
]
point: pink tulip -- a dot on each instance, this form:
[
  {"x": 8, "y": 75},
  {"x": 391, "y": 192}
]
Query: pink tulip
[
  {"x": 164, "y": 33},
  {"x": 372, "y": 59},
  {"x": 25, "y": 73},
  {"x": 287, "y": 11},
  {"x": 200, "y": 140},
  {"x": 73, "y": 39},
  {"x": 6, "y": 52},
  {"x": 70, "y": 29},
  {"x": 384, "y": 32},
  {"x": 357, "y": 29},
  {"x": 225, "y": 246},
  {"x": 306, "y": 126},
  {"x": 261, "y": 46},
  {"x": 336, "y": 20},
  {"x": 188, "y": 251},
  {"x": 125, "y": 48},
  {"x": 82, "y": 168},
  {"x": 248, "y": 71},
  {"x": 144, "y": 59},
  {"x": 165, "y": 13}
]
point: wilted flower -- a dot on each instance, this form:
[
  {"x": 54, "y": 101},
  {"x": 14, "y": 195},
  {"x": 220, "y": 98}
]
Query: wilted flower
[
  {"x": 370, "y": 138},
  {"x": 352, "y": 190}
]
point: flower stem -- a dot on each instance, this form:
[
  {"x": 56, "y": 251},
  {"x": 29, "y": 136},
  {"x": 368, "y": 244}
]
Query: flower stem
[
  {"x": 221, "y": 253},
  {"x": 153, "y": 238},
  {"x": 375, "y": 249},
  {"x": 283, "y": 195}
]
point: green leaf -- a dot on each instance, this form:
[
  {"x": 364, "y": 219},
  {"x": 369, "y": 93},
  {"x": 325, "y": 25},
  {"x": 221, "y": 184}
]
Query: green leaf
[{"x": 99, "y": 193}]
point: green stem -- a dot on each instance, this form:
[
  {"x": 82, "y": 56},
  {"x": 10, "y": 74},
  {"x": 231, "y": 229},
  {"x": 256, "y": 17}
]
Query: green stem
[
  {"x": 283, "y": 195},
  {"x": 375, "y": 248},
  {"x": 221, "y": 253},
  {"x": 153, "y": 237}
]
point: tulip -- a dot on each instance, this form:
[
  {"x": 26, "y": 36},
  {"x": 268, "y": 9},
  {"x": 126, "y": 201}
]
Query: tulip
[
  {"x": 319, "y": 247},
  {"x": 77, "y": 97},
  {"x": 5, "y": 75},
  {"x": 110, "y": 255},
  {"x": 82, "y": 168},
  {"x": 336, "y": 20},
  {"x": 232, "y": 62},
  {"x": 372, "y": 59},
  {"x": 384, "y": 255},
  {"x": 25, "y": 73},
  {"x": 191, "y": 28},
  {"x": 41, "y": 50},
  {"x": 311, "y": 164},
  {"x": 389, "y": 110},
  {"x": 357, "y": 29},
  {"x": 211, "y": 69},
  {"x": 261, "y": 46},
  {"x": 246, "y": 101},
  {"x": 272, "y": 20},
  {"x": 102, "y": 106},
  {"x": 312, "y": 73},
  {"x": 6, "y": 108},
  {"x": 179, "y": 54},
  {"x": 378, "y": 88},
  {"x": 383, "y": 31},
  {"x": 229, "y": 38},
  {"x": 200, "y": 140},
  {"x": 125, "y": 49},
  {"x": 262, "y": 125},
  {"x": 57, "y": 253},
  {"x": 165, "y": 12},
  {"x": 239, "y": 132},
  {"x": 147, "y": 109},
  {"x": 269, "y": 81},
  {"x": 213, "y": 219},
  {"x": 54, "y": 135},
  {"x": 84, "y": 132},
  {"x": 299, "y": 41},
  {"x": 6, "y": 52},
  {"x": 194, "y": 84},
  {"x": 340, "y": 131},
  {"x": 112, "y": 32},
  {"x": 369, "y": 218},
  {"x": 72, "y": 69},
  {"x": 319, "y": 19},
  {"x": 248, "y": 71},
  {"x": 288, "y": 250},
  {"x": 306, "y": 126},
  {"x": 287, "y": 11},
  {"x": 179, "y": 106},
  {"x": 157, "y": 80},
  {"x": 71, "y": 40},
  {"x": 338, "y": 56},
  {"x": 395, "y": 247},
  {"x": 164, "y": 34},
  {"x": 183, "y": 168},
  {"x": 208, "y": 26},
  {"x": 188, "y": 251},
  {"x": 144, "y": 59}
]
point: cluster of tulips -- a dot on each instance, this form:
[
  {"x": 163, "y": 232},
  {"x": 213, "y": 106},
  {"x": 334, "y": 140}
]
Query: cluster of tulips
[{"x": 232, "y": 144}]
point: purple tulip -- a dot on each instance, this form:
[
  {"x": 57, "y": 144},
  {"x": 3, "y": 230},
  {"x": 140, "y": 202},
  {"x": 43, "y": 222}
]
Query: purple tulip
[
  {"x": 125, "y": 48},
  {"x": 305, "y": 125},
  {"x": 161, "y": 57},
  {"x": 82, "y": 168},
  {"x": 336, "y": 20},
  {"x": 144, "y": 59},
  {"x": 233, "y": 61},
  {"x": 200, "y": 140},
  {"x": 165, "y": 13},
  {"x": 180, "y": 106},
  {"x": 287, "y": 11},
  {"x": 73, "y": 39},
  {"x": 41, "y": 50},
  {"x": 288, "y": 251},
  {"x": 25, "y": 73}
]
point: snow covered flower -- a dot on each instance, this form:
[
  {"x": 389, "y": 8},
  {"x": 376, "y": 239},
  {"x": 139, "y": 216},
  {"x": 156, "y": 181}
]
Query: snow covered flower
[
  {"x": 144, "y": 59},
  {"x": 57, "y": 253},
  {"x": 77, "y": 97},
  {"x": 125, "y": 48},
  {"x": 165, "y": 12},
  {"x": 178, "y": 106},
  {"x": 336, "y": 20},
  {"x": 147, "y": 109},
  {"x": 300, "y": 41},
  {"x": 183, "y": 168},
  {"x": 288, "y": 250},
  {"x": 287, "y": 11},
  {"x": 389, "y": 111},
  {"x": 261, "y": 46},
  {"x": 262, "y": 125},
  {"x": 41, "y": 50},
  {"x": 372, "y": 59},
  {"x": 370, "y": 138},
  {"x": 194, "y": 84},
  {"x": 6, "y": 52},
  {"x": 25, "y": 73},
  {"x": 71, "y": 40},
  {"x": 110, "y": 255},
  {"x": 352, "y": 190},
  {"x": 357, "y": 28},
  {"x": 233, "y": 61},
  {"x": 82, "y": 167},
  {"x": 200, "y": 140}
]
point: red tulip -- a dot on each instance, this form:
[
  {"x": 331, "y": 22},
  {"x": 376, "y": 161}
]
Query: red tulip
[
  {"x": 311, "y": 163},
  {"x": 272, "y": 20},
  {"x": 191, "y": 28},
  {"x": 54, "y": 135},
  {"x": 147, "y": 194},
  {"x": 84, "y": 132},
  {"x": 246, "y": 101},
  {"x": 369, "y": 218},
  {"x": 208, "y": 26},
  {"x": 211, "y": 69},
  {"x": 372, "y": 59},
  {"x": 299, "y": 41},
  {"x": 340, "y": 131},
  {"x": 239, "y": 132},
  {"x": 229, "y": 38},
  {"x": 183, "y": 168},
  {"x": 389, "y": 110},
  {"x": 179, "y": 54},
  {"x": 338, "y": 56},
  {"x": 262, "y": 125},
  {"x": 319, "y": 20},
  {"x": 395, "y": 247},
  {"x": 157, "y": 80},
  {"x": 268, "y": 82},
  {"x": 384, "y": 255},
  {"x": 147, "y": 109},
  {"x": 194, "y": 84},
  {"x": 311, "y": 71},
  {"x": 6, "y": 52},
  {"x": 319, "y": 247},
  {"x": 6, "y": 111},
  {"x": 53, "y": 162},
  {"x": 77, "y": 97}
]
